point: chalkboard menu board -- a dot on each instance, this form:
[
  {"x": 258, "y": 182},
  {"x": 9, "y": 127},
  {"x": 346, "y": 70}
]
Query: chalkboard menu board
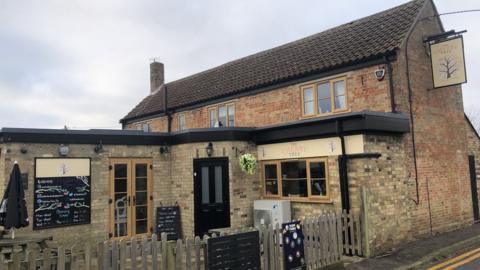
[
  {"x": 293, "y": 247},
  {"x": 61, "y": 198},
  {"x": 168, "y": 221}
]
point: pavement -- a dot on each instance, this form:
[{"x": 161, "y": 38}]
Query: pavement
[{"x": 425, "y": 253}]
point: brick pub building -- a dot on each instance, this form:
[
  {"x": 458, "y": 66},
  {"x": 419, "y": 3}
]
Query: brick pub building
[{"x": 326, "y": 116}]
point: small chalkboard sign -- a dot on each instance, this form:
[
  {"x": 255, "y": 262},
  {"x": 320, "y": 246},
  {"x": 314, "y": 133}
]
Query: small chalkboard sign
[
  {"x": 168, "y": 221},
  {"x": 293, "y": 246}
]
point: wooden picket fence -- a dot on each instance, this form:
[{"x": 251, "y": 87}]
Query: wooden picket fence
[{"x": 327, "y": 238}]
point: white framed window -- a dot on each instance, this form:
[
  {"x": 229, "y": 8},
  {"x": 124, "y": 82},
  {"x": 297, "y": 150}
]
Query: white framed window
[
  {"x": 222, "y": 115},
  {"x": 146, "y": 127},
  {"x": 324, "y": 97},
  {"x": 181, "y": 122}
]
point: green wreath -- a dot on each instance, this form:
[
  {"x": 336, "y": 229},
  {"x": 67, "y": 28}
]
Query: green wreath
[{"x": 248, "y": 163}]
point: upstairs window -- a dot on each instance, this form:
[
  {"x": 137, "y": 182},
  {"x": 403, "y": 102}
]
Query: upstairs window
[
  {"x": 146, "y": 127},
  {"x": 324, "y": 97},
  {"x": 222, "y": 115},
  {"x": 181, "y": 122}
]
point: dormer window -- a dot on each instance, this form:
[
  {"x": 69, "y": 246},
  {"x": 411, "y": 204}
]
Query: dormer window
[
  {"x": 324, "y": 97},
  {"x": 222, "y": 115}
]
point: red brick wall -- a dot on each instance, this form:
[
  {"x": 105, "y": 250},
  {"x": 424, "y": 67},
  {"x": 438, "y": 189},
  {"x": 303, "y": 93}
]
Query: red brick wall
[
  {"x": 283, "y": 105},
  {"x": 440, "y": 140}
]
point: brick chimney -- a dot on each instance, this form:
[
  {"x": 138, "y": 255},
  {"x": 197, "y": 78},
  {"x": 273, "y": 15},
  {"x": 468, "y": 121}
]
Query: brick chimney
[{"x": 157, "y": 75}]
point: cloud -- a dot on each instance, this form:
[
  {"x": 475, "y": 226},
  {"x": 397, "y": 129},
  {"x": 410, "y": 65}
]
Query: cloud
[{"x": 85, "y": 63}]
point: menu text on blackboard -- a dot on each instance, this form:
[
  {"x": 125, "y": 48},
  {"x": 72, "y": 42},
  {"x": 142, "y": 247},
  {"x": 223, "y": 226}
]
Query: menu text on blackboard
[
  {"x": 168, "y": 221},
  {"x": 61, "y": 201}
]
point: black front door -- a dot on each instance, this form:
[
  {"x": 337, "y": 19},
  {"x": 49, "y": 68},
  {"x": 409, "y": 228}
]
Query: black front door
[
  {"x": 473, "y": 181},
  {"x": 211, "y": 194}
]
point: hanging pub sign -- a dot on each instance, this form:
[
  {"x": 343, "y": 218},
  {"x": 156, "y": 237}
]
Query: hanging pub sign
[
  {"x": 293, "y": 247},
  {"x": 62, "y": 192},
  {"x": 448, "y": 62}
]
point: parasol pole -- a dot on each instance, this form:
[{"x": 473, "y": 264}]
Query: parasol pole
[{"x": 13, "y": 228}]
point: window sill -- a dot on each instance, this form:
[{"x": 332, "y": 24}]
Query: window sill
[
  {"x": 300, "y": 199},
  {"x": 307, "y": 116}
]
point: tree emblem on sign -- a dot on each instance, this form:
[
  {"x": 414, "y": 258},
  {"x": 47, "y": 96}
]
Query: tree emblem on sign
[{"x": 448, "y": 67}]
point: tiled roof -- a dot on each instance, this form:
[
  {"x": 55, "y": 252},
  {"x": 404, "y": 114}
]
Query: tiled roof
[{"x": 357, "y": 41}]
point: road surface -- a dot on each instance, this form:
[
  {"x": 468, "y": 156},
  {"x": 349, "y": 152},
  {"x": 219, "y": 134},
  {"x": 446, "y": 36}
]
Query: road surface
[{"x": 467, "y": 261}]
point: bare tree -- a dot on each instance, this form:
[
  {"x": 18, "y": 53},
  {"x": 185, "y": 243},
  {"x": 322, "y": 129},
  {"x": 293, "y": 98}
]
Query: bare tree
[
  {"x": 449, "y": 67},
  {"x": 473, "y": 115}
]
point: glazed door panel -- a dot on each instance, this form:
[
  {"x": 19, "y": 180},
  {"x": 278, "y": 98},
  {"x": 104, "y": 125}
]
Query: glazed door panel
[{"x": 130, "y": 197}]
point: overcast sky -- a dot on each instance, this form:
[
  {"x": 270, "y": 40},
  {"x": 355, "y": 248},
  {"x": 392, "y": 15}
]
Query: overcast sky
[{"x": 85, "y": 64}]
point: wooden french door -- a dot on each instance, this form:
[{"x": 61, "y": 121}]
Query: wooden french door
[{"x": 130, "y": 197}]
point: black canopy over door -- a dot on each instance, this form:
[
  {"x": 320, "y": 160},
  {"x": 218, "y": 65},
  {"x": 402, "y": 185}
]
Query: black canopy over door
[
  {"x": 211, "y": 193},
  {"x": 473, "y": 182}
]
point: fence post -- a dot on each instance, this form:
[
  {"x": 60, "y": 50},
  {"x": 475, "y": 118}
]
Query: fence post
[
  {"x": 154, "y": 251},
  {"x": 144, "y": 252},
  {"x": 188, "y": 254},
  {"x": 32, "y": 259},
  {"x": 205, "y": 251},
  {"x": 198, "y": 244},
  {"x": 133, "y": 253},
  {"x": 88, "y": 256},
  {"x": 179, "y": 255},
  {"x": 114, "y": 255},
  {"x": 46, "y": 258},
  {"x": 61, "y": 258},
  {"x": 364, "y": 221},
  {"x": 278, "y": 236},
  {"x": 123, "y": 255},
  {"x": 163, "y": 238}
]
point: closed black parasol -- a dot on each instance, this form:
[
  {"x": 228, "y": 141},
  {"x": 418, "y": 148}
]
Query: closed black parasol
[{"x": 13, "y": 210}]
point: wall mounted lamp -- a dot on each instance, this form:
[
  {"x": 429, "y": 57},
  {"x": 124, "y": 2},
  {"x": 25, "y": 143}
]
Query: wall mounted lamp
[
  {"x": 98, "y": 148},
  {"x": 209, "y": 149},
  {"x": 164, "y": 149}
]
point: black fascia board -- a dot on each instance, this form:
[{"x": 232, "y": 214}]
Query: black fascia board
[
  {"x": 353, "y": 123},
  {"x": 59, "y": 136},
  {"x": 212, "y": 135},
  {"x": 364, "y": 122}
]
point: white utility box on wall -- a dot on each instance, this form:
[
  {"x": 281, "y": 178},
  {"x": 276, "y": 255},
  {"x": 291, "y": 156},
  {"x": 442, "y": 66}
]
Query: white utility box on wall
[{"x": 266, "y": 212}]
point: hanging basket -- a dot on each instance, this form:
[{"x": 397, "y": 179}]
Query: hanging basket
[{"x": 248, "y": 163}]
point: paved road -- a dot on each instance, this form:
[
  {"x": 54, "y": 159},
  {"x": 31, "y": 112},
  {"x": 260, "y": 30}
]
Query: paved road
[{"x": 467, "y": 261}]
